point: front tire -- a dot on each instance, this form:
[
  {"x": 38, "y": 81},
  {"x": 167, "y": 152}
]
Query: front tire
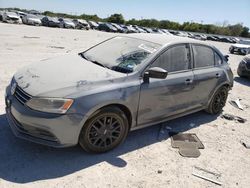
[
  {"x": 218, "y": 101},
  {"x": 104, "y": 131}
]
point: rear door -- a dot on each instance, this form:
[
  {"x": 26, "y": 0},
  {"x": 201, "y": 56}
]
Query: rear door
[{"x": 207, "y": 71}]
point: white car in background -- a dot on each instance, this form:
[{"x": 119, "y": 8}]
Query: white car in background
[
  {"x": 31, "y": 19},
  {"x": 243, "y": 47},
  {"x": 11, "y": 17}
]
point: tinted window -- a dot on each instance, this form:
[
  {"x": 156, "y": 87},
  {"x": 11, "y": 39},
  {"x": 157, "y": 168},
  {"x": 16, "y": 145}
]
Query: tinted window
[
  {"x": 203, "y": 56},
  {"x": 174, "y": 59}
]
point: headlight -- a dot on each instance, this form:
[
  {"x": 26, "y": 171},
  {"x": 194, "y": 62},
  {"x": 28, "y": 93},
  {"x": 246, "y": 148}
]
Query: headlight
[{"x": 51, "y": 105}]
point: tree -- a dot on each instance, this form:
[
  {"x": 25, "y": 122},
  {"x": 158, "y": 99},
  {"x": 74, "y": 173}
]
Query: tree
[
  {"x": 116, "y": 18},
  {"x": 245, "y": 32}
]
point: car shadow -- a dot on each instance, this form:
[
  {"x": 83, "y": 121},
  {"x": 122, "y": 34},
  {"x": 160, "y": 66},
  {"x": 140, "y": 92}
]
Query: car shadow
[
  {"x": 24, "y": 162},
  {"x": 243, "y": 81}
]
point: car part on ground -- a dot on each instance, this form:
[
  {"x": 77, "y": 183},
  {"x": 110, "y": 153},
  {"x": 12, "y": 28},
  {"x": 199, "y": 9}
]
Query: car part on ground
[
  {"x": 104, "y": 91},
  {"x": 188, "y": 144},
  {"x": 233, "y": 117}
]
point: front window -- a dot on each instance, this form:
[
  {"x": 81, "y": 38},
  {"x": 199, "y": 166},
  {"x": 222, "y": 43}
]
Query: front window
[
  {"x": 67, "y": 21},
  {"x": 122, "y": 54},
  {"x": 176, "y": 58},
  {"x": 32, "y": 16}
]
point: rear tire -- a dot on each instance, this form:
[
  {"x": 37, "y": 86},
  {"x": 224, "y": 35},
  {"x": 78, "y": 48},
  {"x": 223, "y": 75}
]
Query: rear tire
[
  {"x": 104, "y": 131},
  {"x": 218, "y": 101}
]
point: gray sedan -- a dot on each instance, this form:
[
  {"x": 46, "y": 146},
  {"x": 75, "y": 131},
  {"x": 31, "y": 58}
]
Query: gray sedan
[{"x": 125, "y": 83}]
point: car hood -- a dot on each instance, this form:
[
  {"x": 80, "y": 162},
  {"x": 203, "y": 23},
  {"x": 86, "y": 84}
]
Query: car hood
[
  {"x": 13, "y": 16},
  {"x": 241, "y": 45},
  {"x": 63, "y": 76},
  {"x": 35, "y": 20},
  {"x": 69, "y": 23}
]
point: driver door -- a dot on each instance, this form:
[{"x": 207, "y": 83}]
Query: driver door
[{"x": 161, "y": 98}]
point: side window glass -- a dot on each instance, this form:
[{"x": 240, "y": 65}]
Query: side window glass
[
  {"x": 203, "y": 56},
  {"x": 218, "y": 60},
  {"x": 174, "y": 59}
]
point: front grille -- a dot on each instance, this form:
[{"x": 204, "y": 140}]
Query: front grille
[{"x": 21, "y": 95}]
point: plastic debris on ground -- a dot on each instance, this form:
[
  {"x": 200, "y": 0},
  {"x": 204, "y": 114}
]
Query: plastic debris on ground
[{"x": 207, "y": 175}]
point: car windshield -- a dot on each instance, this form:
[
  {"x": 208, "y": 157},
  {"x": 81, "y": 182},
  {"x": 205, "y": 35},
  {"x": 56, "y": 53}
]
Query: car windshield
[
  {"x": 245, "y": 42},
  {"x": 122, "y": 54},
  {"x": 31, "y": 16},
  {"x": 54, "y": 19},
  {"x": 11, "y": 13},
  {"x": 67, "y": 21}
]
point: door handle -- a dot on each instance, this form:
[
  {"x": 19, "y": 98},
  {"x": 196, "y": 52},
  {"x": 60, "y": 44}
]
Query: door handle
[
  {"x": 218, "y": 75},
  {"x": 188, "y": 81}
]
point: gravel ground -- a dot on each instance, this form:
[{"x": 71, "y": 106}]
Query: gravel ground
[{"x": 143, "y": 160}]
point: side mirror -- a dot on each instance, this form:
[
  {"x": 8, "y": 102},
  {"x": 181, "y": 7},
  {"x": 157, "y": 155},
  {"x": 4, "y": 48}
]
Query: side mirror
[
  {"x": 226, "y": 57},
  {"x": 155, "y": 72}
]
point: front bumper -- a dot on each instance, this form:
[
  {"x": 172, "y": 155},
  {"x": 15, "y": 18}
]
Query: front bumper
[
  {"x": 42, "y": 128},
  {"x": 243, "y": 70}
]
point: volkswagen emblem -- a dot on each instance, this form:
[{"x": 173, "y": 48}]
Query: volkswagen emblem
[{"x": 13, "y": 89}]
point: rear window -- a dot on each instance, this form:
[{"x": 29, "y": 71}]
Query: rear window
[
  {"x": 203, "y": 56},
  {"x": 218, "y": 60}
]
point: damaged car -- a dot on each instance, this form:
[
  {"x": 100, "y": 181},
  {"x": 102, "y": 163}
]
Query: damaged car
[
  {"x": 11, "y": 17},
  {"x": 242, "y": 47},
  {"x": 96, "y": 97}
]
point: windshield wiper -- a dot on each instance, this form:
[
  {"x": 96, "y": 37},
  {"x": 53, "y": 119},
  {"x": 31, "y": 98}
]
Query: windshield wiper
[
  {"x": 97, "y": 63},
  {"x": 93, "y": 61}
]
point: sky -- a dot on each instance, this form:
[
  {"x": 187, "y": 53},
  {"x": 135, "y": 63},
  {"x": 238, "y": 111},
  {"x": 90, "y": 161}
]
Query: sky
[{"x": 201, "y": 11}]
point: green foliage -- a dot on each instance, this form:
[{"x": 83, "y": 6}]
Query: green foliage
[
  {"x": 245, "y": 32},
  {"x": 116, "y": 18},
  {"x": 222, "y": 29}
]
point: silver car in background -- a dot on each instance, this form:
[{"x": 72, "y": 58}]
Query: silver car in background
[
  {"x": 66, "y": 23},
  {"x": 124, "y": 83},
  {"x": 31, "y": 19}
]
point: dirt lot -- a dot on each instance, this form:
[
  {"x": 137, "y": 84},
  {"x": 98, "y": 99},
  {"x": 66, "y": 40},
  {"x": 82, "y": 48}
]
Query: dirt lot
[{"x": 143, "y": 160}]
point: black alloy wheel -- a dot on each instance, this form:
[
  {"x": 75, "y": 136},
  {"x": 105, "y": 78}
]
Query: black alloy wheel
[
  {"x": 218, "y": 101},
  {"x": 104, "y": 131}
]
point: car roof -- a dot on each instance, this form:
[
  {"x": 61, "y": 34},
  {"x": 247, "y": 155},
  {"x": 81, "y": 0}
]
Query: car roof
[{"x": 164, "y": 39}]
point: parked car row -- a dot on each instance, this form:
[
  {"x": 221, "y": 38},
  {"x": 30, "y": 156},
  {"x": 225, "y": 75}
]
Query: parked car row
[{"x": 35, "y": 18}]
